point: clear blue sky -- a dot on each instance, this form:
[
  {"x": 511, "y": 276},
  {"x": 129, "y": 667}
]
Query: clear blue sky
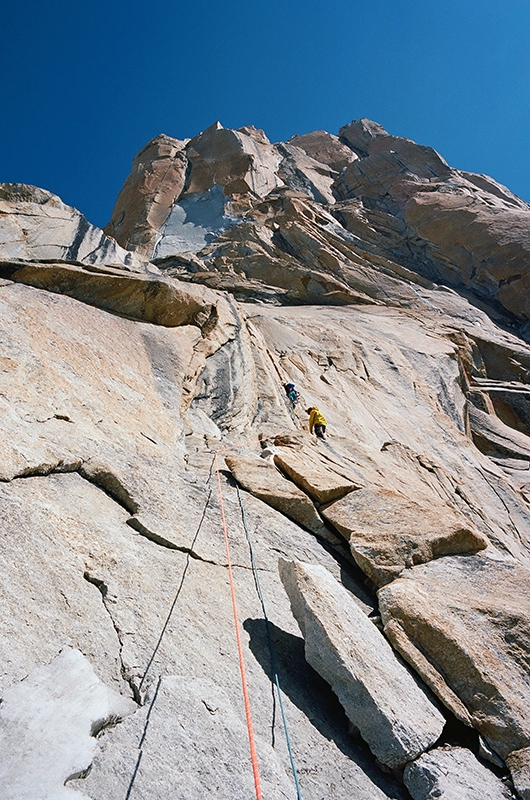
[{"x": 84, "y": 85}]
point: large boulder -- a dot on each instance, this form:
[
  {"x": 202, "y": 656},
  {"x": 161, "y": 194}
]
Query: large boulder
[
  {"x": 470, "y": 616},
  {"x": 388, "y": 532},
  {"x": 242, "y": 161},
  {"x": 379, "y": 695},
  {"x": 326, "y": 148},
  {"x": 452, "y": 773},
  {"x": 264, "y": 481},
  {"x": 319, "y": 477}
]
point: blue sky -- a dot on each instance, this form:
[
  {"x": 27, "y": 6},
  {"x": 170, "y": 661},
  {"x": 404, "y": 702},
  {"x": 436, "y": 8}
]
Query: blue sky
[{"x": 83, "y": 86}]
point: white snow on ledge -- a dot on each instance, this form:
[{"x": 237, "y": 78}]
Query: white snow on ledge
[{"x": 47, "y": 727}]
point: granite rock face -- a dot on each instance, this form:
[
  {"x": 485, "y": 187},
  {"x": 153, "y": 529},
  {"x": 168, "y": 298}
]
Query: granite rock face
[
  {"x": 157, "y": 179},
  {"x": 452, "y": 773},
  {"x": 467, "y": 229},
  {"x": 36, "y": 225},
  {"x": 380, "y": 697},
  {"x": 367, "y": 204},
  {"x": 448, "y": 610},
  {"x": 389, "y": 288}
]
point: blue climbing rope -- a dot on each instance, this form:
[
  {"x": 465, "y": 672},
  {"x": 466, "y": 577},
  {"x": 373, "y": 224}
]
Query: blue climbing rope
[{"x": 271, "y": 646}]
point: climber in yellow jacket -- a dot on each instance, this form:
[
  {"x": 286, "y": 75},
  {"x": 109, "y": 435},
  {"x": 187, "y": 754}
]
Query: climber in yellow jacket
[{"x": 317, "y": 421}]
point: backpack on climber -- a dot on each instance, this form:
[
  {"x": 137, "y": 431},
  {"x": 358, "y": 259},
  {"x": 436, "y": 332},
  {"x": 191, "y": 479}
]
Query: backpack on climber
[{"x": 292, "y": 393}]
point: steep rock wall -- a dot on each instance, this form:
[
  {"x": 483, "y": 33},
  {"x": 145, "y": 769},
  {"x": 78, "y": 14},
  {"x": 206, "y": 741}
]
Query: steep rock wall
[{"x": 120, "y": 386}]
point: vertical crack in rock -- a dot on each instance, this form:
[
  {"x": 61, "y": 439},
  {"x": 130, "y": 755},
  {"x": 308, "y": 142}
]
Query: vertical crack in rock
[{"x": 102, "y": 587}]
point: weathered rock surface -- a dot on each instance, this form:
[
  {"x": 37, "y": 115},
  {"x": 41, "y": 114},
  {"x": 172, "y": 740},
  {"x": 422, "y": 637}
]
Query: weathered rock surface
[
  {"x": 208, "y": 749},
  {"x": 157, "y": 179},
  {"x": 387, "y": 532},
  {"x": 468, "y": 229},
  {"x": 519, "y": 764},
  {"x": 141, "y": 297},
  {"x": 470, "y": 616},
  {"x": 380, "y": 697},
  {"x": 326, "y": 148},
  {"x": 398, "y": 210},
  {"x": 36, "y": 225},
  {"x": 317, "y": 476},
  {"x": 264, "y": 481},
  {"x": 390, "y": 288},
  {"x": 48, "y": 724},
  {"x": 452, "y": 773}
]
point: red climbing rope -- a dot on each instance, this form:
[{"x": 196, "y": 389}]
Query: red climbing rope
[{"x": 253, "y": 756}]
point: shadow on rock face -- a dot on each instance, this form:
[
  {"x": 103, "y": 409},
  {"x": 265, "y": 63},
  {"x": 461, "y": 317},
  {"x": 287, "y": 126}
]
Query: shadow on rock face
[{"x": 315, "y": 698}]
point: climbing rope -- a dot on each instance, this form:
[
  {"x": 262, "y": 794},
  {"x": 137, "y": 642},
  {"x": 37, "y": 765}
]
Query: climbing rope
[
  {"x": 271, "y": 646},
  {"x": 157, "y": 646},
  {"x": 253, "y": 756},
  {"x": 179, "y": 589},
  {"x": 290, "y": 408}
]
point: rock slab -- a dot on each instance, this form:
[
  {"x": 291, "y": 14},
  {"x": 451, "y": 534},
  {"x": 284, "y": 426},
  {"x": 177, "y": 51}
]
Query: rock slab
[
  {"x": 470, "y": 616},
  {"x": 388, "y": 532},
  {"x": 381, "y": 699},
  {"x": 313, "y": 474},
  {"x": 265, "y": 482}
]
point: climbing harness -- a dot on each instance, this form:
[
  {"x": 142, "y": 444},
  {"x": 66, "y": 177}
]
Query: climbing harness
[
  {"x": 250, "y": 730},
  {"x": 271, "y": 646}
]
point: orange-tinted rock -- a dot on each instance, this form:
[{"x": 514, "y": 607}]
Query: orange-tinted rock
[
  {"x": 239, "y": 162},
  {"x": 156, "y": 180},
  {"x": 388, "y": 532},
  {"x": 326, "y": 148}
]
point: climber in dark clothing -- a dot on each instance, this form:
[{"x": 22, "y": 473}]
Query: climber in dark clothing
[{"x": 292, "y": 393}]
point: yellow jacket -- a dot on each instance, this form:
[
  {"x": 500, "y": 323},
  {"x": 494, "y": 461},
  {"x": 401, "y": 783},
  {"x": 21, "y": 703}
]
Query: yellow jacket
[{"x": 316, "y": 417}]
